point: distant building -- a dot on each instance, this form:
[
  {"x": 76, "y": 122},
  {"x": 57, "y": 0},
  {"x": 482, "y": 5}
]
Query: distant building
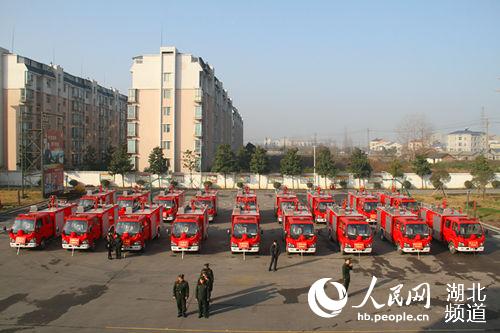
[
  {"x": 177, "y": 103},
  {"x": 439, "y": 157},
  {"x": 383, "y": 146},
  {"x": 466, "y": 141},
  {"x": 36, "y": 97}
]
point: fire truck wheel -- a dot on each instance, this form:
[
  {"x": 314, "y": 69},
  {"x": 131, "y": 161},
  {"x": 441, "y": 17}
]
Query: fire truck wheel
[
  {"x": 158, "y": 233},
  {"x": 400, "y": 250},
  {"x": 143, "y": 248},
  {"x": 43, "y": 244},
  {"x": 382, "y": 235},
  {"x": 452, "y": 248},
  {"x": 93, "y": 246}
]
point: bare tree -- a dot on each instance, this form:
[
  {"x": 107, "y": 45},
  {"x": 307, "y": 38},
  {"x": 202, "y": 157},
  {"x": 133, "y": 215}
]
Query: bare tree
[{"x": 414, "y": 132}]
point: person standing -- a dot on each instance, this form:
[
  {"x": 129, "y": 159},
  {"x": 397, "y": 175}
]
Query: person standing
[
  {"x": 275, "y": 252},
  {"x": 118, "y": 247},
  {"x": 109, "y": 244},
  {"x": 346, "y": 273},
  {"x": 181, "y": 294},
  {"x": 209, "y": 276},
  {"x": 202, "y": 293}
]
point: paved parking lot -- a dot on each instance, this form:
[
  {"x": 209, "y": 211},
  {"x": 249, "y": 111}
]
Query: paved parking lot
[{"x": 52, "y": 291}]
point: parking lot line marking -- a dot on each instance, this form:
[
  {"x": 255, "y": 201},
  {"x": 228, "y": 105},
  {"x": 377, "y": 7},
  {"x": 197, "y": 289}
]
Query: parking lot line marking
[{"x": 196, "y": 330}]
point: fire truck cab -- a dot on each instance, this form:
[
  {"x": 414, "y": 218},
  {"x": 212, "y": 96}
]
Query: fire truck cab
[
  {"x": 208, "y": 198},
  {"x": 404, "y": 229},
  {"x": 459, "y": 232},
  {"x": 396, "y": 199},
  {"x": 246, "y": 196},
  {"x": 245, "y": 228},
  {"x": 189, "y": 229},
  {"x": 284, "y": 200},
  {"x": 298, "y": 230},
  {"x": 83, "y": 229},
  {"x": 35, "y": 228},
  {"x": 106, "y": 197},
  {"x": 319, "y": 202},
  {"x": 171, "y": 202},
  {"x": 365, "y": 204},
  {"x": 132, "y": 200},
  {"x": 138, "y": 227},
  {"x": 350, "y": 230}
]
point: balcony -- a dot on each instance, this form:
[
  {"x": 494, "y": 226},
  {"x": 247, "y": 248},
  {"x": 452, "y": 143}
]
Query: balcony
[
  {"x": 26, "y": 96},
  {"x": 198, "y": 130},
  {"x": 132, "y": 95},
  {"x": 198, "y": 96},
  {"x": 198, "y": 113}
]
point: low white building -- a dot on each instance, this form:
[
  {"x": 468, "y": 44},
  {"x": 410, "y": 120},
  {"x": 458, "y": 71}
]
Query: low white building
[{"x": 381, "y": 145}]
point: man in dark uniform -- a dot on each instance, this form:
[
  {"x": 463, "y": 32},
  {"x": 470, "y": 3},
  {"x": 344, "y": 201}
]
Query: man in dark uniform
[
  {"x": 346, "y": 273},
  {"x": 181, "y": 294},
  {"x": 275, "y": 252},
  {"x": 109, "y": 244},
  {"x": 202, "y": 297},
  {"x": 118, "y": 247},
  {"x": 209, "y": 276}
]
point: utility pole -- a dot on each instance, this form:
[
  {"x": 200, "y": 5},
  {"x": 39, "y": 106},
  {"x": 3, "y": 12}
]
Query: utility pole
[
  {"x": 367, "y": 139},
  {"x": 314, "y": 158},
  {"x": 486, "y": 124}
]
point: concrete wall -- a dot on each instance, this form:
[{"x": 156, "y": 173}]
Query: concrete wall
[{"x": 13, "y": 178}]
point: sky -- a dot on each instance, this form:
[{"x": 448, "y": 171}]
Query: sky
[{"x": 292, "y": 68}]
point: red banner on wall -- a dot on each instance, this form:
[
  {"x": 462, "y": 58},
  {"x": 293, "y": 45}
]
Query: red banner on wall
[{"x": 53, "y": 162}]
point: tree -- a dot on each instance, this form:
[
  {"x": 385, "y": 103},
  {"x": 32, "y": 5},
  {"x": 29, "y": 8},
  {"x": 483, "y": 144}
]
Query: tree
[
  {"x": 325, "y": 167},
  {"x": 359, "y": 165},
  {"x": 106, "y": 157},
  {"x": 421, "y": 167},
  {"x": 414, "y": 128},
  {"x": 190, "y": 161},
  {"x": 482, "y": 173},
  {"x": 158, "y": 163},
  {"x": 396, "y": 170},
  {"x": 440, "y": 176},
  {"x": 243, "y": 159},
  {"x": 225, "y": 161},
  {"x": 291, "y": 164},
  {"x": 89, "y": 159},
  {"x": 259, "y": 162},
  {"x": 120, "y": 163}
]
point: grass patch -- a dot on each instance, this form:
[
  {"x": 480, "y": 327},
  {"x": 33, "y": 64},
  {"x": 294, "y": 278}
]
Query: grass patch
[{"x": 9, "y": 198}]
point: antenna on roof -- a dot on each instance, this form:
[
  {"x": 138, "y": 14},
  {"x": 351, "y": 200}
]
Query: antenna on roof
[{"x": 13, "y": 37}]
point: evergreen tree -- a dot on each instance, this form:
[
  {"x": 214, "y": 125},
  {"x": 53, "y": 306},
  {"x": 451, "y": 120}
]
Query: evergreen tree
[
  {"x": 225, "y": 161},
  {"x": 291, "y": 164},
  {"x": 440, "y": 176},
  {"x": 158, "y": 163},
  {"x": 359, "y": 165},
  {"x": 120, "y": 163},
  {"x": 325, "y": 167},
  {"x": 421, "y": 167},
  {"x": 89, "y": 159},
  {"x": 106, "y": 158},
  {"x": 482, "y": 173},
  {"x": 243, "y": 157},
  {"x": 259, "y": 162},
  {"x": 191, "y": 162},
  {"x": 396, "y": 170}
]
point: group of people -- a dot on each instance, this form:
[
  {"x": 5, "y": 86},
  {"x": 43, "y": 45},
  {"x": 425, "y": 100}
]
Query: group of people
[
  {"x": 113, "y": 243},
  {"x": 203, "y": 292}
]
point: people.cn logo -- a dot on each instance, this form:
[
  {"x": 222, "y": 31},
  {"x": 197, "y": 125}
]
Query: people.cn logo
[{"x": 318, "y": 300}]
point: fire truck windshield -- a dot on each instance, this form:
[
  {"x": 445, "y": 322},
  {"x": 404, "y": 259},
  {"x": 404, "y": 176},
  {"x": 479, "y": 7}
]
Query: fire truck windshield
[
  {"x": 370, "y": 206},
  {"x": 415, "y": 229},
  {"x": 355, "y": 230},
  {"x": 250, "y": 229},
  {"x": 301, "y": 229},
  {"x": 127, "y": 227},
  {"x": 469, "y": 229},
  {"x": 86, "y": 203},
  {"x": 77, "y": 226},
  {"x": 126, "y": 203},
  {"x": 24, "y": 225},
  {"x": 204, "y": 203},
  {"x": 166, "y": 203},
  {"x": 322, "y": 206},
  {"x": 189, "y": 228},
  {"x": 287, "y": 205},
  {"x": 411, "y": 205}
]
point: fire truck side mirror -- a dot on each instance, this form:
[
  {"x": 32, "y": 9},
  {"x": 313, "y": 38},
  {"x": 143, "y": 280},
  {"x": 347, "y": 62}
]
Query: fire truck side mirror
[
  {"x": 261, "y": 231},
  {"x": 486, "y": 232}
]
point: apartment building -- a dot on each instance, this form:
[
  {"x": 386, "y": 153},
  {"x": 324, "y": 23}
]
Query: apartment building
[
  {"x": 466, "y": 141},
  {"x": 35, "y": 97},
  {"x": 177, "y": 103}
]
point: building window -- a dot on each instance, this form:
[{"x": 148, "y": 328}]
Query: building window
[
  {"x": 131, "y": 129},
  {"x": 132, "y": 95},
  {"x": 166, "y": 128},
  {"x": 198, "y": 112},
  {"x": 167, "y": 77},
  {"x": 48, "y": 83},
  {"x": 198, "y": 130},
  {"x": 166, "y": 110},
  {"x": 48, "y": 98},
  {"x": 167, "y": 93},
  {"x": 132, "y": 146},
  {"x": 132, "y": 112},
  {"x": 165, "y": 145}
]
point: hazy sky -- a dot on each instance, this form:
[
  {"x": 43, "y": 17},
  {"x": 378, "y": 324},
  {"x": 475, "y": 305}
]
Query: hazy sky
[{"x": 293, "y": 68}]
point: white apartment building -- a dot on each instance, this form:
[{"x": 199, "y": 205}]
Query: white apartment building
[
  {"x": 177, "y": 103},
  {"x": 466, "y": 141}
]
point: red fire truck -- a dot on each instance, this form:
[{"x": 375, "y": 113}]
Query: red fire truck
[
  {"x": 189, "y": 229},
  {"x": 132, "y": 200},
  {"x": 350, "y": 230},
  {"x": 246, "y": 196},
  {"x": 245, "y": 228},
  {"x": 36, "y": 228},
  {"x": 318, "y": 202},
  {"x": 364, "y": 203},
  {"x": 207, "y": 198},
  {"x": 298, "y": 230},
  {"x": 403, "y": 228},
  {"x": 284, "y": 200},
  {"x": 459, "y": 232},
  {"x": 103, "y": 197},
  {"x": 83, "y": 229},
  {"x": 171, "y": 202},
  {"x": 137, "y": 227},
  {"x": 396, "y": 199}
]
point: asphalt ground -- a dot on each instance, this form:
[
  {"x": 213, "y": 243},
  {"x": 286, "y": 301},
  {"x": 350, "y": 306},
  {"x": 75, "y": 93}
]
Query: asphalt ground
[{"x": 53, "y": 291}]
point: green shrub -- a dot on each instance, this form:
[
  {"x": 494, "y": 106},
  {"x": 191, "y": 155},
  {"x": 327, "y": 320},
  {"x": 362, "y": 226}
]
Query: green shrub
[
  {"x": 277, "y": 185},
  {"x": 407, "y": 184},
  {"x": 105, "y": 183},
  {"x": 495, "y": 184},
  {"x": 73, "y": 182},
  {"x": 141, "y": 182},
  {"x": 377, "y": 185},
  {"x": 343, "y": 183},
  {"x": 240, "y": 185},
  {"x": 207, "y": 184},
  {"x": 310, "y": 185},
  {"x": 468, "y": 184}
]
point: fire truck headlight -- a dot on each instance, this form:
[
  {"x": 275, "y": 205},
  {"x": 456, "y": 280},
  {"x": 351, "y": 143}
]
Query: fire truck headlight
[
  {"x": 234, "y": 244},
  {"x": 368, "y": 245},
  {"x": 348, "y": 245},
  {"x": 137, "y": 243},
  {"x": 406, "y": 245},
  {"x": 290, "y": 245},
  {"x": 85, "y": 242},
  {"x": 12, "y": 240},
  {"x": 195, "y": 244},
  {"x": 460, "y": 244},
  {"x": 312, "y": 245},
  {"x": 32, "y": 240},
  {"x": 64, "y": 241},
  {"x": 173, "y": 243}
]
